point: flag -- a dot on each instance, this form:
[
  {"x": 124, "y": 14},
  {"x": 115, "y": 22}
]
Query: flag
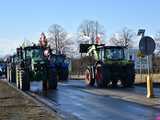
[
  {"x": 98, "y": 39},
  {"x": 43, "y": 40}
]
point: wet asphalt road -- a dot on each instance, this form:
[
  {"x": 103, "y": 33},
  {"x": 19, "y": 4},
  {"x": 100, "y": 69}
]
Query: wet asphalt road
[{"x": 70, "y": 97}]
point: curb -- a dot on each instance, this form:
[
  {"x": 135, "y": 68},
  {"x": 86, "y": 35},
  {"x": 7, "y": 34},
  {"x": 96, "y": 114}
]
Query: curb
[
  {"x": 138, "y": 99},
  {"x": 32, "y": 98},
  {"x": 47, "y": 104},
  {"x": 53, "y": 106}
]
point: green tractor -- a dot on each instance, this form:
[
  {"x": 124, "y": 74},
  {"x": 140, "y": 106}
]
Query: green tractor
[
  {"x": 108, "y": 66},
  {"x": 33, "y": 65},
  {"x": 11, "y": 71}
]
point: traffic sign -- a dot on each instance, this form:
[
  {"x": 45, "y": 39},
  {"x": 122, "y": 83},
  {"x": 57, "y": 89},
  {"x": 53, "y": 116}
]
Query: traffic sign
[{"x": 147, "y": 45}]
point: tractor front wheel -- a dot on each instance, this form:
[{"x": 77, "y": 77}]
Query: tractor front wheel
[{"x": 88, "y": 79}]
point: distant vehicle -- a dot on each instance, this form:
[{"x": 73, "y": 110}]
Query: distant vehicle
[
  {"x": 61, "y": 64},
  {"x": 1, "y": 71},
  {"x": 3, "y": 67},
  {"x": 11, "y": 68},
  {"x": 108, "y": 66}
]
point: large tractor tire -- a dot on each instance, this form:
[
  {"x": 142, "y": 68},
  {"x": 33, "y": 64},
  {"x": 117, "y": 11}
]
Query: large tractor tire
[
  {"x": 65, "y": 74},
  {"x": 129, "y": 79},
  {"x": 59, "y": 74},
  {"x": 22, "y": 79},
  {"x": 131, "y": 76},
  {"x": 8, "y": 74},
  {"x": 45, "y": 85},
  {"x": 17, "y": 77},
  {"x": 13, "y": 75},
  {"x": 88, "y": 79},
  {"x": 114, "y": 83},
  {"x": 107, "y": 75},
  {"x": 52, "y": 80}
]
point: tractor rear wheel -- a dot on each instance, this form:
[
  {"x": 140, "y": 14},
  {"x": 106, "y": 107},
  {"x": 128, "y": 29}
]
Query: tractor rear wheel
[
  {"x": 24, "y": 80},
  {"x": 129, "y": 79},
  {"x": 45, "y": 85},
  {"x": 88, "y": 79},
  {"x": 13, "y": 75},
  {"x": 114, "y": 83},
  {"x": 124, "y": 83},
  {"x": 52, "y": 81},
  {"x": 65, "y": 74},
  {"x": 17, "y": 77},
  {"x": 60, "y": 75},
  {"x": 100, "y": 82},
  {"x": 8, "y": 74}
]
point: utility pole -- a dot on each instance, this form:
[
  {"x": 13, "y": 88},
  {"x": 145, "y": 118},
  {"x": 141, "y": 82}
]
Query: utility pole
[
  {"x": 56, "y": 44},
  {"x": 141, "y": 33},
  {"x": 96, "y": 28}
]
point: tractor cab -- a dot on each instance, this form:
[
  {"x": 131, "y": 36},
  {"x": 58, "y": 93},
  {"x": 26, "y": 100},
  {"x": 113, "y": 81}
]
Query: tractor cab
[
  {"x": 111, "y": 53},
  {"x": 36, "y": 53},
  {"x": 11, "y": 64},
  {"x": 104, "y": 52},
  {"x": 33, "y": 55}
]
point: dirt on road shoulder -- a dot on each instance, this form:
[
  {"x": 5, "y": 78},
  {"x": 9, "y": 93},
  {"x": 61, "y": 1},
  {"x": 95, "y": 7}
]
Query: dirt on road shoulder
[{"x": 14, "y": 105}]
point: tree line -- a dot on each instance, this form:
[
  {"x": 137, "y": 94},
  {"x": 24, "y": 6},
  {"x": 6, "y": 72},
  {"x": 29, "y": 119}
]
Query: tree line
[{"x": 62, "y": 41}]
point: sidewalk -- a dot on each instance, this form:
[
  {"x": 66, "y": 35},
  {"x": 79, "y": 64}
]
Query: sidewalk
[
  {"x": 15, "y": 105},
  {"x": 77, "y": 77},
  {"x": 127, "y": 96}
]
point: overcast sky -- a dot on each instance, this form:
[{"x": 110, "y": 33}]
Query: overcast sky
[{"x": 28, "y": 18}]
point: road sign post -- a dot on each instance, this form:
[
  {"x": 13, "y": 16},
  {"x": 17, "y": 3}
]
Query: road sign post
[
  {"x": 147, "y": 47},
  {"x": 141, "y": 32},
  {"x": 150, "y": 92}
]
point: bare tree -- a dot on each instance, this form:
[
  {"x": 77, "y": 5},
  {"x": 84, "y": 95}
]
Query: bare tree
[
  {"x": 56, "y": 37},
  {"x": 157, "y": 41},
  {"x": 60, "y": 41},
  {"x": 123, "y": 38},
  {"x": 70, "y": 45},
  {"x": 90, "y": 29}
]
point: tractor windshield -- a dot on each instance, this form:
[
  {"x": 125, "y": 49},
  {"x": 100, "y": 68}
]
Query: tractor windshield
[
  {"x": 114, "y": 53},
  {"x": 59, "y": 59},
  {"x": 14, "y": 59},
  {"x": 37, "y": 54}
]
